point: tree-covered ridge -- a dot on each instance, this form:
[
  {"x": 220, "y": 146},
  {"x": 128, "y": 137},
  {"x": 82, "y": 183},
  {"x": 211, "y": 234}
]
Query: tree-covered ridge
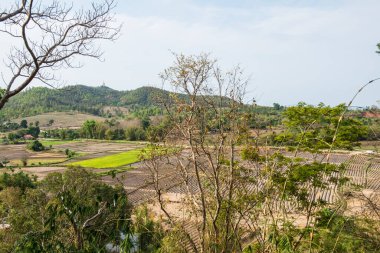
[
  {"x": 81, "y": 98},
  {"x": 87, "y": 99}
]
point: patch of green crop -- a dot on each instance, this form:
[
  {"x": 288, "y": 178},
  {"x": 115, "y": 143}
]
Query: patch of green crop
[{"x": 111, "y": 161}]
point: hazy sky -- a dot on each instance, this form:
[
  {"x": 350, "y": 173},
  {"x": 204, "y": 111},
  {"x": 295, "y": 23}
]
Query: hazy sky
[{"x": 311, "y": 50}]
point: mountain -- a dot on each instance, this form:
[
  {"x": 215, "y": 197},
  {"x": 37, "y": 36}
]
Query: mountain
[{"x": 80, "y": 98}]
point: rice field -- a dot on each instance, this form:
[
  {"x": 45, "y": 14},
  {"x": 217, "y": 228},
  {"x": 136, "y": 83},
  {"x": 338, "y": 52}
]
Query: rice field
[{"x": 111, "y": 161}]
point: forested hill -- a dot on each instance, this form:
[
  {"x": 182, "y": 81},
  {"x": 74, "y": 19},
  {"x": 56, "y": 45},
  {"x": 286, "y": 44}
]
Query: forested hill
[{"x": 81, "y": 98}]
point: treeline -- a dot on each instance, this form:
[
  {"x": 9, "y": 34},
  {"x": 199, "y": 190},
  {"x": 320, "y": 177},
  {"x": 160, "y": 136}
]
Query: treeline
[
  {"x": 22, "y": 132},
  {"x": 111, "y": 130},
  {"x": 80, "y": 98}
]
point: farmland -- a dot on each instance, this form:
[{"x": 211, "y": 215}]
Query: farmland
[
  {"x": 89, "y": 154},
  {"x": 271, "y": 146},
  {"x": 111, "y": 161},
  {"x": 61, "y": 119}
]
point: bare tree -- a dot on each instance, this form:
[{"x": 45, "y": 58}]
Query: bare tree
[
  {"x": 208, "y": 123},
  {"x": 50, "y": 37}
]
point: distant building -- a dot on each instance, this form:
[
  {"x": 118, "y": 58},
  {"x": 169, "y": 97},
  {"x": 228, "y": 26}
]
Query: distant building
[{"x": 28, "y": 137}]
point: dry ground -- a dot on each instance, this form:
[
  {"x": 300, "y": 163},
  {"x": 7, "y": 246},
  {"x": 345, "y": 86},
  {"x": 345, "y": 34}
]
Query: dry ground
[
  {"x": 55, "y": 160},
  {"x": 61, "y": 119}
]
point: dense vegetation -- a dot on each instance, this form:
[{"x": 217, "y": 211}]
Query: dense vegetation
[
  {"x": 76, "y": 213},
  {"x": 81, "y": 98}
]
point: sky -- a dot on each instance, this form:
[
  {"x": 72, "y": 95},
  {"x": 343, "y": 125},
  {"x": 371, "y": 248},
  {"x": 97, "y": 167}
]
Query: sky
[{"x": 292, "y": 50}]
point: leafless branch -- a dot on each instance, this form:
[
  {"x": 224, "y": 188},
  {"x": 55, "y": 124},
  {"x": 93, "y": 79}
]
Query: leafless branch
[{"x": 53, "y": 36}]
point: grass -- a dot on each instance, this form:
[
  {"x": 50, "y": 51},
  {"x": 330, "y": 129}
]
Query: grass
[{"x": 111, "y": 161}]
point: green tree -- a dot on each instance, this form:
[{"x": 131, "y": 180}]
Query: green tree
[
  {"x": 277, "y": 106},
  {"x": 88, "y": 129},
  {"x": 17, "y": 180},
  {"x": 145, "y": 122},
  {"x": 69, "y": 212},
  {"x": 314, "y": 127},
  {"x": 24, "y": 123},
  {"x": 135, "y": 134},
  {"x": 36, "y": 146},
  {"x": 34, "y": 131}
]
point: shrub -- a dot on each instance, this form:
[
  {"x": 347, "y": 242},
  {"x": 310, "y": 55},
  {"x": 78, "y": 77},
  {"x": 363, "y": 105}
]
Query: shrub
[
  {"x": 24, "y": 161},
  {"x": 36, "y": 146},
  {"x": 19, "y": 179},
  {"x": 70, "y": 153},
  {"x": 135, "y": 134}
]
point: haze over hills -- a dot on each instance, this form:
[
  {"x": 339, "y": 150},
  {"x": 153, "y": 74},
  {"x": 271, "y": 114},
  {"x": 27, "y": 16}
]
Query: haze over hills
[{"x": 80, "y": 98}]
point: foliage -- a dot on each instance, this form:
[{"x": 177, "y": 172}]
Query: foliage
[
  {"x": 70, "y": 153},
  {"x": 157, "y": 133},
  {"x": 314, "y": 127},
  {"x": 36, "y": 146},
  {"x": 17, "y": 180},
  {"x": 88, "y": 129},
  {"x": 135, "y": 134},
  {"x": 145, "y": 122},
  {"x": 24, "y": 123},
  {"x": 77, "y": 213},
  {"x": 63, "y": 134},
  {"x": 149, "y": 233},
  {"x": 339, "y": 233},
  {"x": 81, "y": 98}
]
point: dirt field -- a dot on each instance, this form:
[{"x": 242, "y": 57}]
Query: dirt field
[
  {"x": 61, "y": 119},
  {"x": 55, "y": 160},
  {"x": 75, "y": 120},
  {"x": 362, "y": 170}
]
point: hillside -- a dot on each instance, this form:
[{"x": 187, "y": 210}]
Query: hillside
[
  {"x": 92, "y": 100},
  {"x": 71, "y": 120}
]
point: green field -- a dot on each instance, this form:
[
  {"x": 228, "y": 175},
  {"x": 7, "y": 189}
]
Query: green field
[{"x": 111, "y": 161}]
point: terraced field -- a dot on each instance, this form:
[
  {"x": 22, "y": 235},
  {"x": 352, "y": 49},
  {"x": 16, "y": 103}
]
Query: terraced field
[
  {"x": 363, "y": 171},
  {"x": 101, "y": 156}
]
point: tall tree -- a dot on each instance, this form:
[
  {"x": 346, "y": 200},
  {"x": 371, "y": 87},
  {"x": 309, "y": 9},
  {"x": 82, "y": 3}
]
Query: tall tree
[{"x": 64, "y": 33}]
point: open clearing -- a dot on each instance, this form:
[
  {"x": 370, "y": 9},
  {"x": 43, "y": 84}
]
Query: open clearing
[
  {"x": 61, "y": 119},
  {"x": 75, "y": 120}
]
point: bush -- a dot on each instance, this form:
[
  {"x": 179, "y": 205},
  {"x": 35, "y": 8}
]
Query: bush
[
  {"x": 36, "y": 146},
  {"x": 24, "y": 161},
  {"x": 135, "y": 134},
  {"x": 19, "y": 179},
  {"x": 70, "y": 153}
]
